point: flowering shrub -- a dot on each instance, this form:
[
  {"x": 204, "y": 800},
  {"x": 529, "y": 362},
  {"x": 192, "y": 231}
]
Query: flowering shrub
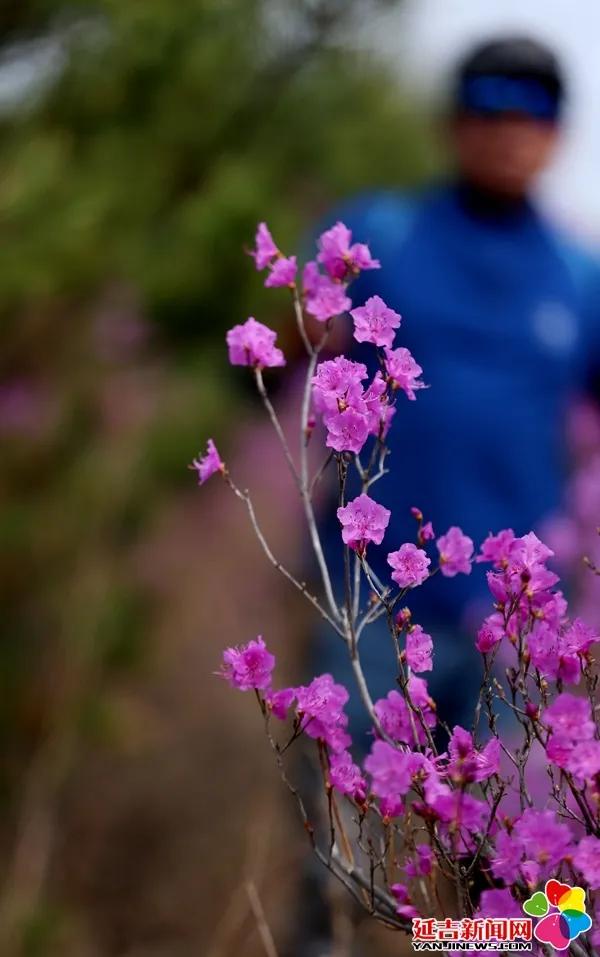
[{"x": 414, "y": 821}]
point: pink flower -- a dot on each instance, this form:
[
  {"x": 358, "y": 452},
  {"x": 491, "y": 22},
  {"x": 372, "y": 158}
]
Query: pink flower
[
  {"x": 505, "y": 865},
  {"x": 426, "y": 534},
  {"x": 570, "y": 717},
  {"x": 280, "y": 702},
  {"x": 363, "y": 520},
  {"x": 403, "y": 372},
  {"x": 405, "y": 908},
  {"x": 499, "y": 549},
  {"x": 324, "y": 298},
  {"x": 346, "y": 777},
  {"x": 249, "y": 666},
  {"x": 253, "y": 344},
  {"x": 346, "y": 431},
  {"x": 419, "y": 649},
  {"x": 337, "y": 384},
  {"x": 490, "y": 633},
  {"x": 395, "y": 718},
  {"x": 283, "y": 272},
  {"x": 266, "y": 250},
  {"x": 208, "y": 464},
  {"x": 378, "y": 409},
  {"x": 339, "y": 257},
  {"x": 321, "y": 705},
  {"x": 392, "y": 773},
  {"x": 467, "y": 765},
  {"x": 587, "y": 860},
  {"x": 543, "y": 838},
  {"x": 410, "y": 565},
  {"x": 422, "y": 864},
  {"x": 455, "y": 550},
  {"x": 375, "y": 322}
]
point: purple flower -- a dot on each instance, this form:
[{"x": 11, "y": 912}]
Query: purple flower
[
  {"x": 421, "y": 865},
  {"x": 498, "y": 549},
  {"x": 280, "y": 701},
  {"x": 253, "y": 344},
  {"x": 403, "y": 372},
  {"x": 410, "y": 565},
  {"x": 347, "y": 431},
  {"x": 208, "y": 464},
  {"x": 570, "y": 717},
  {"x": 363, "y": 521},
  {"x": 395, "y": 718},
  {"x": 419, "y": 649},
  {"x": 378, "y": 409},
  {"x": 587, "y": 860},
  {"x": 375, "y": 322},
  {"x": 337, "y": 384},
  {"x": 321, "y": 705},
  {"x": 283, "y": 272},
  {"x": 346, "y": 777},
  {"x": 543, "y": 838},
  {"x": 392, "y": 773},
  {"x": 505, "y": 865},
  {"x": 265, "y": 250},
  {"x": 324, "y": 298},
  {"x": 405, "y": 908},
  {"x": 490, "y": 633},
  {"x": 467, "y": 765},
  {"x": 455, "y": 550},
  {"x": 339, "y": 256},
  {"x": 249, "y": 666}
]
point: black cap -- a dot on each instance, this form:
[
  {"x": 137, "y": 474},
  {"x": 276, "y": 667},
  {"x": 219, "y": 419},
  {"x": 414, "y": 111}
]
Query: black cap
[{"x": 513, "y": 57}]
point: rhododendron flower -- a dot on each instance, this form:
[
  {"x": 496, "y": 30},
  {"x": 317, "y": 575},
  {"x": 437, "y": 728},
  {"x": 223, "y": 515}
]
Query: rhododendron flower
[
  {"x": 490, "y": 633},
  {"x": 419, "y": 649},
  {"x": 392, "y": 773},
  {"x": 346, "y": 777},
  {"x": 570, "y": 717},
  {"x": 543, "y": 839},
  {"x": 363, "y": 520},
  {"x": 378, "y": 409},
  {"x": 208, "y": 464},
  {"x": 499, "y": 549},
  {"x": 395, "y": 717},
  {"x": 402, "y": 371},
  {"x": 498, "y": 902},
  {"x": 339, "y": 256},
  {"x": 466, "y": 764},
  {"x": 556, "y": 651},
  {"x": 249, "y": 666},
  {"x": 422, "y": 864},
  {"x": 280, "y": 701},
  {"x": 458, "y": 808},
  {"x": 375, "y": 322},
  {"x": 337, "y": 384},
  {"x": 426, "y": 534},
  {"x": 324, "y": 298},
  {"x": 508, "y": 855},
  {"x": 265, "y": 250},
  {"x": 253, "y": 344},
  {"x": 321, "y": 705},
  {"x": 404, "y": 908},
  {"x": 283, "y": 272},
  {"x": 409, "y": 565},
  {"x": 347, "y": 431},
  {"x": 455, "y": 550},
  {"x": 586, "y": 860}
]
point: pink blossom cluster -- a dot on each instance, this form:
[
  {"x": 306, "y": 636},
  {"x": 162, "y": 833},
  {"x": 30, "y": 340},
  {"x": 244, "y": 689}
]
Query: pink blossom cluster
[
  {"x": 350, "y": 412},
  {"x": 253, "y": 344},
  {"x": 572, "y": 744}
]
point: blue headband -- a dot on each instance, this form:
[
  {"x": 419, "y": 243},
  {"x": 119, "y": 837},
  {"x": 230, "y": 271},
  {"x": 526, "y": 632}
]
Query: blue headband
[{"x": 490, "y": 95}]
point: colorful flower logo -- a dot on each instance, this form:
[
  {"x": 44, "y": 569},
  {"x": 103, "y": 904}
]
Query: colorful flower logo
[{"x": 562, "y": 912}]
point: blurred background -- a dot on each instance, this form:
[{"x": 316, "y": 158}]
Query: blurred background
[{"x": 139, "y": 145}]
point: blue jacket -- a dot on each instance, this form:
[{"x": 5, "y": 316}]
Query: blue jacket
[{"x": 503, "y": 314}]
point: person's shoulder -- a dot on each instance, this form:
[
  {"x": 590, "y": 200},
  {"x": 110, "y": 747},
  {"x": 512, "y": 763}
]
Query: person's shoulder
[
  {"x": 581, "y": 260},
  {"x": 376, "y": 216}
]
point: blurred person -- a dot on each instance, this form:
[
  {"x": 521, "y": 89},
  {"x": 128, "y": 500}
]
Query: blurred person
[{"x": 500, "y": 310}]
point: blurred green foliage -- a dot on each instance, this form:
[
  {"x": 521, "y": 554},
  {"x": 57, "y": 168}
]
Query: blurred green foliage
[{"x": 130, "y": 185}]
